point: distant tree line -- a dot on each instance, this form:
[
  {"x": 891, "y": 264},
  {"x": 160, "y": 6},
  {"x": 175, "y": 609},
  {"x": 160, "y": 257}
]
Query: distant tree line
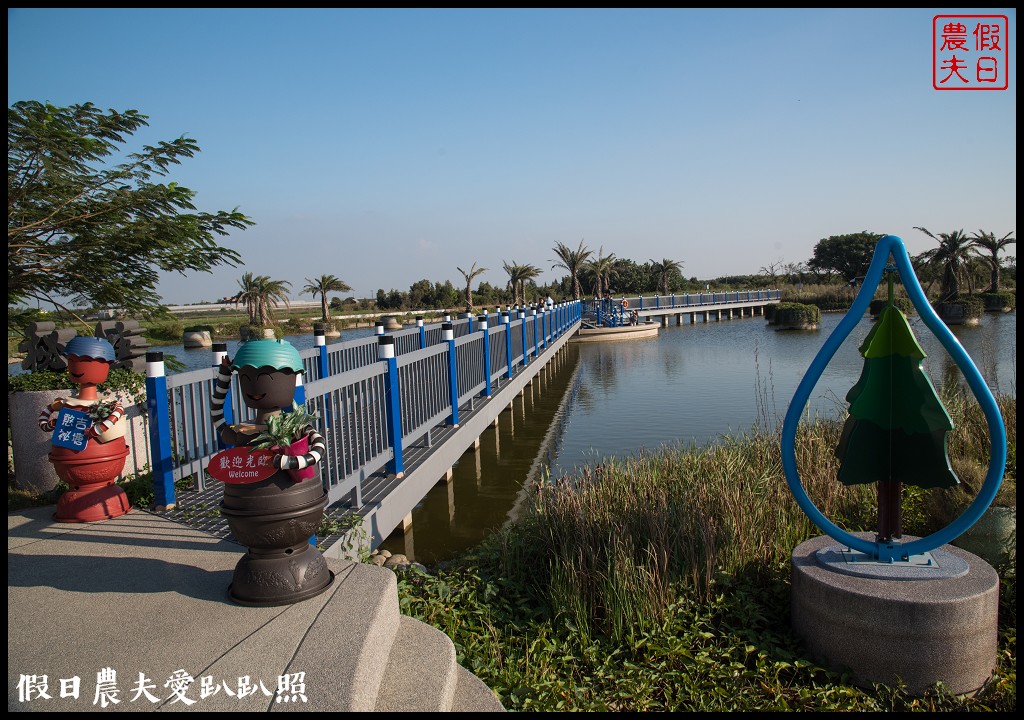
[
  {"x": 624, "y": 276},
  {"x": 959, "y": 264}
]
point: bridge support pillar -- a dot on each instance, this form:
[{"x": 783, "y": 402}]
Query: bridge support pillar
[
  {"x": 408, "y": 546},
  {"x": 495, "y": 423},
  {"x": 664, "y": 320},
  {"x": 693, "y": 318},
  {"x": 476, "y": 444},
  {"x": 407, "y": 523},
  {"x": 679, "y": 319},
  {"x": 451, "y": 503}
]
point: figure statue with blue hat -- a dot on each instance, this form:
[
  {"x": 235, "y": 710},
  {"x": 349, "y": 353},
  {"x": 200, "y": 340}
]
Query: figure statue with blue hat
[
  {"x": 274, "y": 498},
  {"x": 89, "y": 448}
]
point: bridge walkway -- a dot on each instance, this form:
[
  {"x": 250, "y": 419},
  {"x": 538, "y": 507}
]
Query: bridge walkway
[{"x": 198, "y": 508}]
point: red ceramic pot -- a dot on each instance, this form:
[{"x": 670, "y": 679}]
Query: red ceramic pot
[
  {"x": 296, "y": 449},
  {"x": 92, "y": 473}
]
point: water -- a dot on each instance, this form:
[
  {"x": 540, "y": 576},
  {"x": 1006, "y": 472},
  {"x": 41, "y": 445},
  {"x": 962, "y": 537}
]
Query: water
[
  {"x": 690, "y": 385},
  {"x": 694, "y": 383}
]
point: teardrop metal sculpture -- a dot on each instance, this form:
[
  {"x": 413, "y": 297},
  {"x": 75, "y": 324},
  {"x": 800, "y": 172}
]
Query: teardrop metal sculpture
[{"x": 894, "y": 551}]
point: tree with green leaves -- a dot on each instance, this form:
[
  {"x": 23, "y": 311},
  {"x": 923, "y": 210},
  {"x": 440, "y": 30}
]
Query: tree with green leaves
[
  {"x": 603, "y": 267},
  {"x": 248, "y": 295},
  {"x": 259, "y": 294},
  {"x": 573, "y": 261},
  {"x": 951, "y": 259},
  {"x": 83, "y": 229},
  {"x": 272, "y": 293},
  {"x": 665, "y": 270},
  {"x": 323, "y": 285},
  {"x": 992, "y": 246},
  {"x": 847, "y": 256},
  {"x": 469, "y": 275},
  {"x": 518, "y": 276}
]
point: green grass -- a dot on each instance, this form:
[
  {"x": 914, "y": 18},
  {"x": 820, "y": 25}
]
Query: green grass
[
  {"x": 732, "y": 650},
  {"x": 662, "y": 582}
]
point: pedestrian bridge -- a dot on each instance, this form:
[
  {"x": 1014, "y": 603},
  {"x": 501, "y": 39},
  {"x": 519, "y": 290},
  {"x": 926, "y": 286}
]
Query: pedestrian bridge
[
  {"x": 397, "y": 410},
  {"x": 708, "y": 305}
]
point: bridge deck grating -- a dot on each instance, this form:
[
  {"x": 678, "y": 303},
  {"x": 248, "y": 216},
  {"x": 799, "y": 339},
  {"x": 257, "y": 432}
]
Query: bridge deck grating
[{"x": 200, "y": 509}]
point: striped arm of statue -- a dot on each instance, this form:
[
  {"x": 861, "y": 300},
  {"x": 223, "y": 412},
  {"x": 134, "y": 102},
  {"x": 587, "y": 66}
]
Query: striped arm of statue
[
  {"x": 101, "y": 427},
  {"x": 48, "y": 415},
  {"x": 220, "y": 391},
  {"x": 317, "y": 448}
]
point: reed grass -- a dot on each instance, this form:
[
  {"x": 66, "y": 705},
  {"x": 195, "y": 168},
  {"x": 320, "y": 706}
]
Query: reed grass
[
  {"x": 611, "y": 547},
  {"x": 661, "y": 582}
]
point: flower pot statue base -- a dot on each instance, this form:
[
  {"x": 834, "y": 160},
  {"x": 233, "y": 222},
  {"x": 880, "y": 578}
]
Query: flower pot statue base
[
  {"x": 92, "y": 504},
  {"x": 275, "y": 518},
  {"x": 91, "y": 473}
]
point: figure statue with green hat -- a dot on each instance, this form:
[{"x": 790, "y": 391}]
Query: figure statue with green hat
[
  {"x": 273, "y": 498},
  {"x": 89, "y": 448}
]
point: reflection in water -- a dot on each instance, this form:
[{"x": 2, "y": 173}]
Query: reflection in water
[
  {"x": 691, "y": 384},
  {"x": 487, "y": 480}
]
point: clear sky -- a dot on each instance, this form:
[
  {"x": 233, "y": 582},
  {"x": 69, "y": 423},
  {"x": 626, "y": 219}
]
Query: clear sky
[{"x": 388, "y": 146}]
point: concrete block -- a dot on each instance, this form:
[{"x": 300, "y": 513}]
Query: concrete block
[{"x": 919, "y": 626}]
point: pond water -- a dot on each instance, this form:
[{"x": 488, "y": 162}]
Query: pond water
[{"x": 690, "y": 385}]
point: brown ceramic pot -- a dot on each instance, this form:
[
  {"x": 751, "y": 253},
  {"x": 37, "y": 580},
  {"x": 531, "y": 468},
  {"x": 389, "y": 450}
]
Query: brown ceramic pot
[{"x": 275, "y": 518}]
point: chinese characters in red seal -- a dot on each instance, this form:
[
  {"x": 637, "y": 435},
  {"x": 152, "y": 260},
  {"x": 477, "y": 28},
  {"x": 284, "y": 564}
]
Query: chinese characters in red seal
[{"x": 970, "y": 52}]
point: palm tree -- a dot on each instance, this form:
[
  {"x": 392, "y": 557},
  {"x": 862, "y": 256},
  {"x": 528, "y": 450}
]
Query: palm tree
[
  {"x": 270, "y": 294},
  {"x": 664, "y": 270},
  {"x": 323, "y": 285},
  {"x": 573, "y": 261},
  {"x": 518, "y": 276},
  {"x": 473, "y": 272},
  {"x": 988, "y": 241},
  {"x": 952, "y": 258},
  {"x": 603, "y": 267},
  {"x": 527, "y": 273},
  {"x": 249, "y": 296},
  {"x": 514, "y": 271}
]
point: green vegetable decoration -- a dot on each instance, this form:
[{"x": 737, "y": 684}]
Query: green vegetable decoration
[{"x": 897, "y": 428}]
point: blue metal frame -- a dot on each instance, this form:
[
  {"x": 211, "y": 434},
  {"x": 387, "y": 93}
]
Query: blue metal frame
[
  {"x": 486, "y": 392},
  {"x": 159, "y": 430},
  {"x": 890, "y": 552}
]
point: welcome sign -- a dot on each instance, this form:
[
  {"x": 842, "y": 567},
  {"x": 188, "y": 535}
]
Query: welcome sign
[{"x": 240, "y": 466}]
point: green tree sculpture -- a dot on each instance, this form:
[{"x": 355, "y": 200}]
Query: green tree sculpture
[{"x": 897, "y": 428}]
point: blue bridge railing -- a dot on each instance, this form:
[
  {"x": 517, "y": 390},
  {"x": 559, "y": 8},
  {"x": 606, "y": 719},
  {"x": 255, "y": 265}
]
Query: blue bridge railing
[
  {"x": 348, "y": 384},
  {"x": 614, "y": 312}
]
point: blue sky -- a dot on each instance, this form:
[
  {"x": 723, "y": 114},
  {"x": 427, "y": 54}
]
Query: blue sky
[{"x": 387, "y": 146}]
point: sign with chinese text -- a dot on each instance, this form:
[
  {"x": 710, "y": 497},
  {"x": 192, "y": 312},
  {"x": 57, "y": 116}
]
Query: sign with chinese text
[
  {"x": 69, "y": 430},
  {"x": 241, "y": 465},
  {"x": 970, "y": 52}
]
